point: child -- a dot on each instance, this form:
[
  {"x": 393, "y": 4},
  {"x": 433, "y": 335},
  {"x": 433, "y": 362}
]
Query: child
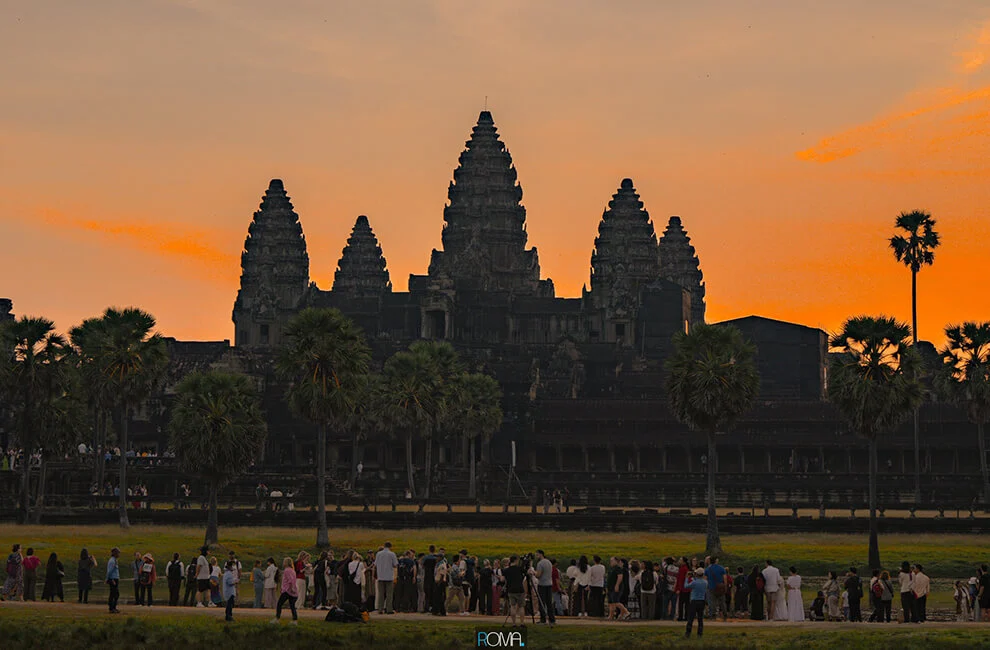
[
  {"x": 818, "y": 607},
  {"x": 845, "y": 605},
  {"x": 230, "y": 580}
]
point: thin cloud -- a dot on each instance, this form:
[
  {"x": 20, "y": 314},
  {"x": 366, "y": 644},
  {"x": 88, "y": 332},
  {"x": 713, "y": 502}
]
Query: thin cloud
[{"x": 975, "y": 57}]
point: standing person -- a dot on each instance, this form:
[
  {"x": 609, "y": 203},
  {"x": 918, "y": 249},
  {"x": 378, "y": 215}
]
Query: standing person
[
  {"x": 320, "y": 582},
  {"x": 875, "y": 590},
  {"x": 113, "y": 580},
  {"x": 756, "y": 584},
  {"x": 715, "y": 574},
  {"x": 470, "y": 581},
  {"x": 330, "y": 575},
  {"x": 485, "y": 578},
  {"x": 455, "y": 577},
  {"x": 854, "y": 587},
  {"x": 886, "y": 597},
  {"x": 54, "y": 573},
  {"x": 904, "y": 578},
  {"x": 289, "y": 591},
  {"x": 84, "y": 575},
  {"x": 203, "y": 577},
  {"x": 771, "y": 584},
  {"x": 175, "y": 570},
  {"x": 544, "y": 587},
  {"x": 795, "y": 605},
  {"x": 385, "y": 564},
  {"x": 258, "y": 580},
  {"x": 405, "y": 587},
  {"x": 440, "y": 576},
  {"x": 514, "y": 581},
  {"x": 742, "y": 592},
  {"x": 920, "y": 586},
  {"x": 583, "y": 587},
  {"x": 697, "y": 588},
  {"x": 149, "y": 576},
  {"x": 963, "y": 602},
  {"x": 982, "y": 592},
  {"x": 647, "y": 591},
  {"x": 30, "y": 567},
  {"x": 230, "y": 580},
  {"x": 429, "y": 582},
  {"x": 596, "y": 588},
  {"x": 216, "y": 578},
  {"x": 670, "y": 569},
  {"x": 831, "y": 590},
  {"x": 189, "y": 596},
  {"x": 614, "y": 584},
  {"x": 14, "y": 584},
  {"x": 136, "y": 567},
  {"x": 683, "y": 597},
  {"x": 270, "y": 572},
  {"x": 300, "y": 568},
  {"x": 354, "y": 579}
]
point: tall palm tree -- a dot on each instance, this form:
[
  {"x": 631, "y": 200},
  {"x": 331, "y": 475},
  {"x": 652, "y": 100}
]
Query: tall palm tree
[
  {"x": 324, "y": 358},
  {"x": 874, "y": 384},
  {"x": 441, "y": 357},
  {"x": 915, "y": 248},
  {"x": 132, "y": 359},
  {"x": 712, "y": 380},
  {"x": 964, "y": 378},
  {"x": 217, "y": 430},
  {"x": 86, "y": 340},
  {"x": 474, "y": 410},
  {"x": 30, "y": 379}
]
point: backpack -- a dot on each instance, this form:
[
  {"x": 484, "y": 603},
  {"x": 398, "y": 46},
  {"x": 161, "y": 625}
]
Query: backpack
[
  {"x": 720, "y": 589},
  {"x": 855, "y": 588},
  {"x": 174, "y": 571},
  {"x": 456, "y": 575},
  {"x": 877, "y": 589},
  {"x": 405, "y": 572},
  {"x": 647, "y": 580},
  {"x": 760, "y": 584},
  {"x": 146, "y": 574},
  {"x": 11, "y": 568}
]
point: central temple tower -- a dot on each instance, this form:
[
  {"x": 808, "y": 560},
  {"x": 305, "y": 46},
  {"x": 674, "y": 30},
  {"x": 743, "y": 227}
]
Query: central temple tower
[{"x": 484, "y": 234}]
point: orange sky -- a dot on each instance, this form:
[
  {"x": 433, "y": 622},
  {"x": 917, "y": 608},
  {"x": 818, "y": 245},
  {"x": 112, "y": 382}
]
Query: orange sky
[{"x": 136, "y": 140}]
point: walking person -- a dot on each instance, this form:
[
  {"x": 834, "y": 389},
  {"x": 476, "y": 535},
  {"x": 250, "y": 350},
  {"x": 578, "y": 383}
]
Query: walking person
[
  {"x": 290, "y": 591},
  {"x": 113, "y": 580},
  {"x": 697, "y": 588},
  {"x": 84, "y": 575},
  {"x": 904, "y": 578},
  {"x": 920, "y": 585},
  {"x": 614, "y": 584},
  {"x": 174, "y": 574},
  {"x": 54, "y": 573},
  {"x": 385, "y": 564},
  {"x": 258, "y": 580},
  {"x": 270, "y": 585},
  {"x": 30, "y": 567}
]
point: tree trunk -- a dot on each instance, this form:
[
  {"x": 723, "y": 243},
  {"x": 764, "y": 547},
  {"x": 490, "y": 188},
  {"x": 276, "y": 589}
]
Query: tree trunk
[
  {"x": 357, "y": 455},
  {"x": 410, "y": 473},
  {"x": 97, "y": 455},
  {"x": 212, "y": 536},
  {"x": 39, "y": 504},
  {"x": 25, "y": 486},
  {"x": 714, "y": 540},
  {"x": 983, "y": 466},
  {"x": 429, "y": 467},
  {"x": 464, "y": 450},
  {"x": 914, "y": 306},
  {"x": 122, "y": 429},
  {"x": 472, "y": 490},
  {"x": 101, "y": 463},
  {"x": 874, "y": 532},
  {"x": 322, "y": 535}
]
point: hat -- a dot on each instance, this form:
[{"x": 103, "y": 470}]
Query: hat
[
  {"x": 699, "y": 572},
  {"x": 147, "y": 556}
]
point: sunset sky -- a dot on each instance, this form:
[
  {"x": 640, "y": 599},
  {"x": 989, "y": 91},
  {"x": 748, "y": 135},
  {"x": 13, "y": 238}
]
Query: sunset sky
[{"x": 137, "y": 138}]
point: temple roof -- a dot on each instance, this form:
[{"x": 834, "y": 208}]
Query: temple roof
[
  {"x": 626, "y": 246},
  {"x": 362, "y": 270},
  {"x": 679, "y": 263}
]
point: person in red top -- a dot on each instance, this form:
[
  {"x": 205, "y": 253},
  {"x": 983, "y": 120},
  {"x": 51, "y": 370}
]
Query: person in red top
[
  {"x": 30, "y": 565},
  {"x": 555, "y": 586},
  {"x": 147, "y": 579},
  {"x": 683, "y": 595}
]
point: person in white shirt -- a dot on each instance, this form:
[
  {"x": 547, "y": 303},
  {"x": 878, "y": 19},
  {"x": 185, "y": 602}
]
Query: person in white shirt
[
  {"x": 596, "y": 587},
  {"x": 571, "y": 573},
  {"x": 904, "y": 579},
  {"x": 919, "y": 586},
  {"x": 271, "y": 570},
  {"x": 385, "y": 565},
  {"x": 771, "y": 584},
  {"x": 202, "y": 578},
  {"x": 648, "y": 579}
]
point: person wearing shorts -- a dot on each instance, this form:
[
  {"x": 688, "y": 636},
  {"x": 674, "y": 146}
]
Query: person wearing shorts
[
  {"x": 202, "y": 578},
  {"x": 515, "y": 579}
]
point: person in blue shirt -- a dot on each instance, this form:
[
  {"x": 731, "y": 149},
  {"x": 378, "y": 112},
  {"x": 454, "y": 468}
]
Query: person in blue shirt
[
  {"x": 715, "y": 574},
  {"x": 230, "y": 581},
  {"x": 697, "y": 586},
  {"x": 113, "y": 580}
]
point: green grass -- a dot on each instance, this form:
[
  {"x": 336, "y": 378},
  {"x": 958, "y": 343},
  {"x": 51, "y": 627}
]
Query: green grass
[
  {"x": 945, "y": 557},
  {"x": 28, "y": 628}
]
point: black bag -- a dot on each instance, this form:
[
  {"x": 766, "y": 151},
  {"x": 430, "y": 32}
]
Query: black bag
[
  {"x": 175, "y": 571},
  {"x": 647, "y": 581}
]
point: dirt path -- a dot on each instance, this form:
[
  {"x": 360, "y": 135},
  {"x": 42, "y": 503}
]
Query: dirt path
[{"x": 73, "y": 610}]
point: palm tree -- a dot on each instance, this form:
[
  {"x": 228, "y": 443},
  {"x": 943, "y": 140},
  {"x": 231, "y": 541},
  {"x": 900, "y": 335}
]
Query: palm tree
[
  {"x": 86, "y": 339},
  {"x": 442, "y": 360},
  {"x": 30, "y": 380},
  {"x": 216, "y": 430},
  {"x": 874, "y": 384},
  {"x": 132, "y": 359},
  {"x": 915, "y": 249},
  {"x": 964, "y": 378},
  {"x": 403, "y": 402},
  {"x": 474, "y": 409},
  {"x": 324, "y": 358},
  {"x": 712, "y": 381}
]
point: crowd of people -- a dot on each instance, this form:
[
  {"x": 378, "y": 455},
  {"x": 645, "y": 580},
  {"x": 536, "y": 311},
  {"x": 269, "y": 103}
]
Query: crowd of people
[{"x": 519, "y": 586}]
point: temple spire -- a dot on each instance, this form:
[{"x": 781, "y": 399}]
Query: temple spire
[
  {"x": 362, "y": 271},
  {"x": 679, "y": 263},
  {"x": 274, "y": 270}
]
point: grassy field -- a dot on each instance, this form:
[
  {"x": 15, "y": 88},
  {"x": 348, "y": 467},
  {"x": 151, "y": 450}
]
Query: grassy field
[
  {"x": 28, "y": 628},
  {"x": 945, "y": 557}
]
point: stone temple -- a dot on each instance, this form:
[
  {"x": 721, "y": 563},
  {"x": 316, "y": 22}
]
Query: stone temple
[{"x": 583, "y": 376}]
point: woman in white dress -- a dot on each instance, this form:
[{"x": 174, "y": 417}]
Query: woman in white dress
[
  {"x": 780, "y": 601},
  {"x": 795, "y": 606}
]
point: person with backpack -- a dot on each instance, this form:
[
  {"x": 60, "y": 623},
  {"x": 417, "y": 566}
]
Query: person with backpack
[
  {"x": 457, "y": 578},
  {"x": 875, "y": 590},
  {"x": 854, "y": 586},
  {"x": 886, "y": 598},
  {"x": 440, "y": 575},
  {"x": 647, "y": 590},
  {"x": 189, "y": 595},
  {"x": 405, "y": 585},
  {"x": 148, "y": 577},
  {"x": 175, "y": 572},
  {"x": 320, "y": 582}
]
